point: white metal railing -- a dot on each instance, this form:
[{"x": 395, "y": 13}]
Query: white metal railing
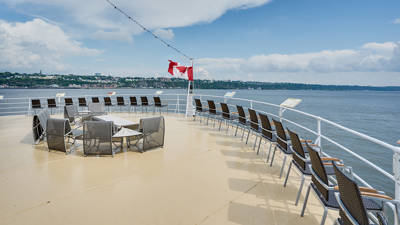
[{"x": 177, "y": 104}]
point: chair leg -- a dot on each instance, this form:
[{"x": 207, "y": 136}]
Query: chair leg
[
  {"x": 259, "y": 144},
  {"x": 220, "y": 122},
  {"x": 287, "y": 174},
  {"x": 273, "y": 156},
  {"x": 227, "y": 126},
  {"x": 300, "y": 189},
  {"x": 242, "y": 133},
  {"x": 305, "y": 201},
  {"x": 324, "y": 216},
  {"x": 269, "y": 151},
  {"x": 255, "y": 141},
  {"x": 237, "y": 126},
  {"x": 283, "y": 166},
  {"x": 248, "y": 134}
]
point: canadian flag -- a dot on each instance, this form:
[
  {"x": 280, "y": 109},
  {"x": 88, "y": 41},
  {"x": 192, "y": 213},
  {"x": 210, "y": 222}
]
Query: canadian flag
[{"x": 181, "y": 69}]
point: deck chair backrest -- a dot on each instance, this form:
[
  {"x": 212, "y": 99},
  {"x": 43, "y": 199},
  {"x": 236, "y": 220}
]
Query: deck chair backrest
[
  {"x": 225, "y": 111},
  {"x": 242, "y": 115},
  {"x": 157, "y": 101},
  {"x": 95, "y": 99},
  {"x": 55, "y": 134},
  {"x": 351, "y": 198},
  {"x": 107, "y": 101},
  {"x": 253, "y": 119},
  {"x": 36, "y": 104},
  {"x": 199, "y": 106},
  {"x": 82, "y": 102},
  {"x": 153, "y": 130},
  {"x": 319, "y": 170},
  {"x": 96, "y": 108},
  {"x": 211, "y": 107},
  {"x": 144, "y": 100},
  {"x": 133, "y": 101},
  {"x": 282, "y": 139},
  {"x": 68, "y": 101},
  {"x": 298, "y": 148},
  {"x": 43, "y": 117},
  {"x": 51, "y": 103},
  {"x": 72, "y": 112},
  {"x": 266, "y": 125},
  {"x": 120, "y": 101},
  {"x": 97, "y": 138}
]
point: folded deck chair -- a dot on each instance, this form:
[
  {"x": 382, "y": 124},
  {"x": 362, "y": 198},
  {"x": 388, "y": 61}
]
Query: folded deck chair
[
  {"x": 39, "y": 123},
  {"x": 153, "y": 130}
]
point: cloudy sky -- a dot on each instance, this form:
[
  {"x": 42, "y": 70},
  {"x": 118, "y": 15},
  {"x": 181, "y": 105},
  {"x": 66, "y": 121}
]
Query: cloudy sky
[{"x": 307, "y": 41}]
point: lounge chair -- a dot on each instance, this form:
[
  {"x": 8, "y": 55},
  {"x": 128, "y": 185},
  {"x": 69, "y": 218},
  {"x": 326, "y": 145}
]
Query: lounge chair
[
  {"x": 199, "y": 108},
  {"x": 212, "y": 111},
  {"x": 108, "y": 102},
  {"x": 153, "y": 130},
  {"x": 133, "y": 103},
  {"x": 242, "y": 120},
  {"x": 226, "y": 116},
  {"x": 144, "y": 102},
  {"x": 301, "y": 161},
  {"x": 97, "y": 138},
  {"x": 281, "y": 144},
  {"x": 120, "y": 102},
  {"x": 51, "y": 104},
  {"x": 321, "y": 168},
  {"x": 267, "y": 133},
  {"x": 254, "y": 126},
  {"x": 158, "y": 105},
  {"x": 95, "y": 100},
  {"x": 68, "y": 101},
  {"x": 96, "y": 109},
  {"x": 354, "y": 202},
  {"x": 82, "y": 102},
  {"x": 36, "y": 105},
  {"x": 57, "y": 131}
]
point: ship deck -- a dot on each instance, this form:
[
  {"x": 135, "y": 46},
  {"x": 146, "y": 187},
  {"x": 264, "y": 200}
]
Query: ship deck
[{"x": 201, "y": 176}]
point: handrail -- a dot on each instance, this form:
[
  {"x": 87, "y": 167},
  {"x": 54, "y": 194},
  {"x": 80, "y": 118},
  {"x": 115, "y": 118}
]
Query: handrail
[{"x": 177, "y": 106}]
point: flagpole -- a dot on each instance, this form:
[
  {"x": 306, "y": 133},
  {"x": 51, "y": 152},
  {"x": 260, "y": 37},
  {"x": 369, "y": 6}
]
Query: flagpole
[{"x": 189, "y": 97}]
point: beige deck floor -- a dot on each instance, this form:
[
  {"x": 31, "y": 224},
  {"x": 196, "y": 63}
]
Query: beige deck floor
[{"x": 201, "y": 176}]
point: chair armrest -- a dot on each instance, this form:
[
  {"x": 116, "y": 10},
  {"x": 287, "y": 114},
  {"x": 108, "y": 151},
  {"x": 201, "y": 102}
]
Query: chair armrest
[
  {"x": 305, "y": 141},
  {"x": 331, "y": 164},
  {"x": 369, "y": 194},
  {"x": 366, "y": 189},
  {"x": 330, "y": 159}
]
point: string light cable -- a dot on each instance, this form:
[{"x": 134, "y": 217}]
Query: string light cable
[{"x": 149, "y": 31}]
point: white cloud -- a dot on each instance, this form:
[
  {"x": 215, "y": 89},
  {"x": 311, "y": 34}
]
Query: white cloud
[
  {"x": 396, "y": 21},
  {"x": 99, "y": 17},
  {"x": 371, "y": 57},
  {"x": 37, "y": 44}
]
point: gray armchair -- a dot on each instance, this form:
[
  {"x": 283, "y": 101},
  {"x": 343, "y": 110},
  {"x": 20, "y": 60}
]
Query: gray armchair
[
  {"x": 97, "y": 138},
  {"x": 57, "y": 131},
  {"x": 39, "y": 124},
  {"x": 153, "y": 130}
]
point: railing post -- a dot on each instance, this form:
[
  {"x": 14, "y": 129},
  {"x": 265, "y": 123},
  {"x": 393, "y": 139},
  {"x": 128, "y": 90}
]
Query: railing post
[
  {"x": 177, "y": 104},
  {"x": 396, "y": 173},
  {"x": 29, "y": 106},
  {"x": 318, "y": 141},
  {"x": 251, "y": 104}
]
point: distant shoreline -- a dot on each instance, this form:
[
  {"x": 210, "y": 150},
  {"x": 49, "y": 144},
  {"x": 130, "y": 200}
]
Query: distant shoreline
[{"x": 40, "y": 81}]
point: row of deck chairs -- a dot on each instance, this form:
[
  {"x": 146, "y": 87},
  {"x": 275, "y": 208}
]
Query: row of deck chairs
[
  {"x": 97, "y": 136},
  {"x": 353, "y": 202},
  {"x": 133, "y": 103}
]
